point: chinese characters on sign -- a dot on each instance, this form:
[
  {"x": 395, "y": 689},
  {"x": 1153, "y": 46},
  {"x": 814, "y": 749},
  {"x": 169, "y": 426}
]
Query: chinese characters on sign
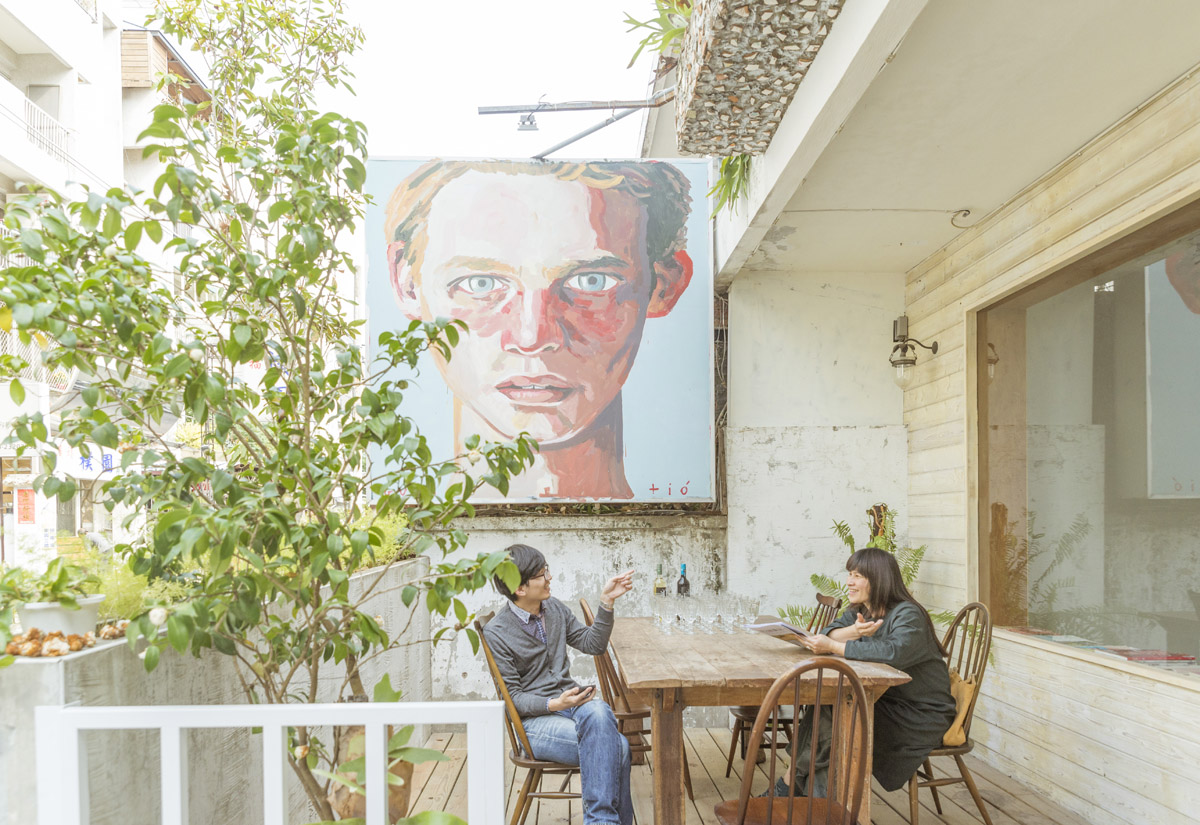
[{"x": 25, "y": 506}]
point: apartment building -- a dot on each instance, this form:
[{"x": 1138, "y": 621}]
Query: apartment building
[{"x": 77, "y": 81}]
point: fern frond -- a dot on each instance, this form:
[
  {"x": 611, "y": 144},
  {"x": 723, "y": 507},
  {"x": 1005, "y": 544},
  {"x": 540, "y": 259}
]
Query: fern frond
[{"x": 842, "y": 529}]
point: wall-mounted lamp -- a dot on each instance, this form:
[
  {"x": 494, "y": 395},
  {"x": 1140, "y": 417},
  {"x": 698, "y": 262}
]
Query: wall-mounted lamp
[
  {"x": 992, "y": 360},
  {"x": 527, "y": 123},
  {"x": 904, "y": 353}
]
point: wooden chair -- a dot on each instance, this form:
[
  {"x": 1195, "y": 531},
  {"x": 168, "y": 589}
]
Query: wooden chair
[
  {"x": 968, "y": 642},
  {"x": 633, "y": 715},
  {"x": 521, "y": 754},
  {"x": 847, "y": 747},
  {"x": 744, "y": 715}
]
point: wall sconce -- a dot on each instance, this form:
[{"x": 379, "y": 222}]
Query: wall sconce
[
  {"x": 992, "y": 360},
  {"x": 904, "y": 353}
]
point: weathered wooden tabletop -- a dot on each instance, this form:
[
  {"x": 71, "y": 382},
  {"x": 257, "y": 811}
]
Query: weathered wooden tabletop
[{"x": 673, "y": 671}]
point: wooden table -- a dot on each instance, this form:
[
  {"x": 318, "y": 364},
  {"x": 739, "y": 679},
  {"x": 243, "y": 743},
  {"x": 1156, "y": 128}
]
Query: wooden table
[{"x": 675, "y": 671}]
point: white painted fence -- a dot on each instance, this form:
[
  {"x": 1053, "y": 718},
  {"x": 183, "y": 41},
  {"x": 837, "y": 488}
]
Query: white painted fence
[{"x": 62, "y": 801}]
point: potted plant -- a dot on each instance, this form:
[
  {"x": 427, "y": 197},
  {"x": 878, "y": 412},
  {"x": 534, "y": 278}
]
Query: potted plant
[{"x": 59, "y": 599}]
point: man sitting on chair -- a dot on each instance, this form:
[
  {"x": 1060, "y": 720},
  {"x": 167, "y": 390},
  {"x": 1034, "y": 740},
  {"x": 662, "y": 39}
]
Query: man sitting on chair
[{"x": 563, "y": 719}]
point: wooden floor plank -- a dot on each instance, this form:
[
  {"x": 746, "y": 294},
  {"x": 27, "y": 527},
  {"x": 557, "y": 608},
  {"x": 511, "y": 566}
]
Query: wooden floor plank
[
  {"x": 443, "y": 786},
  {"x": 424, "y": 770},
  {"x": 435, "y": 796}
]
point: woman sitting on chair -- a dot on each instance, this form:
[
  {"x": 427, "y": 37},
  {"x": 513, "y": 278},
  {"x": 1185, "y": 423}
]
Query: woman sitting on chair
[{"x": 884, "y": 623}]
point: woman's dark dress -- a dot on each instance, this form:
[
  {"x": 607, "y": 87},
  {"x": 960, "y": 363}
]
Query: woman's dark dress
[{"x": 910, "y": 719}]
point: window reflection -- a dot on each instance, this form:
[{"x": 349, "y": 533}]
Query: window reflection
[{"x": 1090, "y": 459}]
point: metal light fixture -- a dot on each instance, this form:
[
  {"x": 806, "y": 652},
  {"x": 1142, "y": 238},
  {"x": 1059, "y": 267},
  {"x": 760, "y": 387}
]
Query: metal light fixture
[
  {"x": 992, "y": 360},
  {"x": 904, "y": 353},
  {"x": 527, "y": 123}
]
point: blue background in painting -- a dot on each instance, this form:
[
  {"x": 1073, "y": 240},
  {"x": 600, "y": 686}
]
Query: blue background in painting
[
  {"x": 1172, "y": 389},
  {"x": 668, "y": 403}
]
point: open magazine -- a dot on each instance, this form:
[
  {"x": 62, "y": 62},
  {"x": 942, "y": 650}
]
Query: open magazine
[{"x": 782, "y": 630}]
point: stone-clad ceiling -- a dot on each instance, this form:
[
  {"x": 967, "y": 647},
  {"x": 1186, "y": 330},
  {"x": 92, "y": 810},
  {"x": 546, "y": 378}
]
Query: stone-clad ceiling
[{"x": 739, "y": 66}]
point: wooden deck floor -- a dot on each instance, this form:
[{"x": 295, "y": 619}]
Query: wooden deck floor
[{"x": 442, "y": 786}]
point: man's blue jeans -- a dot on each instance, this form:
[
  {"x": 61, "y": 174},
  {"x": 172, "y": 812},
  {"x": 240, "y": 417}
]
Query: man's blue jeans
[{"x": 588, "y": 736}]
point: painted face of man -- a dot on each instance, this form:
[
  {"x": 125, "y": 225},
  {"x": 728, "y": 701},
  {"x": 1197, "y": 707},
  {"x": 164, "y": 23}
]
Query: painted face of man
[{"x": 554, "y": 282}]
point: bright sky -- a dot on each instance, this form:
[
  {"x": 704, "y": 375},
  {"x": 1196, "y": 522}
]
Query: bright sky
[{"x": 427, "y": 66}]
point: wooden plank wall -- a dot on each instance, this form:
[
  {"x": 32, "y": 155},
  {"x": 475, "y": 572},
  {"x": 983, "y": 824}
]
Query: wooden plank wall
[
  {"x": 1062, "y": 724},
  {"x": 143, "y": 59}
]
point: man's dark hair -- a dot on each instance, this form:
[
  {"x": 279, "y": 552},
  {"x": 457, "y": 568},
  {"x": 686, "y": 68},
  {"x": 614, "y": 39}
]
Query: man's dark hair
[{"x": 528, "y": 560}]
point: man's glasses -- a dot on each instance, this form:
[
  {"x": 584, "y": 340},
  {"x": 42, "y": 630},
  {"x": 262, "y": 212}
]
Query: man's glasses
[{"x": 545, "y": 574}]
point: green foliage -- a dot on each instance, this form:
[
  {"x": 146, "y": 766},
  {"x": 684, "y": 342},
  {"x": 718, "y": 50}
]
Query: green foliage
[
  {"x": 668, "y": 24},
  {"x": 733, "y": 182},
  {"x": 281, "y": 504},
  {"x": 61, "y": 582},
  {"x": 128, "y": 595},
  {"x": 908, "y": 558}
]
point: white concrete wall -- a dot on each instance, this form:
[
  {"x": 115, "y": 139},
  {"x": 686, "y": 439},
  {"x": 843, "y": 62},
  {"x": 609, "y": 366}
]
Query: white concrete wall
[
  {"x": 815, "y": 432},
  {"x": 224, "y": 766}
]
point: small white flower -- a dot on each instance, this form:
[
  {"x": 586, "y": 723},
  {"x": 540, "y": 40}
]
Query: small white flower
[
  {"x": 158, "y": 616},
  {"x": 301, "y": 751},
  {"x": 288, "y": 499},
  {"x": 195, "y": 353},
  {"x": 474, "y": 456},
  {"x": 110, "y": 251}
]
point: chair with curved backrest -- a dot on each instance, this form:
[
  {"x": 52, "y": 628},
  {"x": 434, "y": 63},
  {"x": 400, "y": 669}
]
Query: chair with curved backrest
[
  {"x": 633, "y": 715},
  {"x": 744, "y": 715},
  {"x": 968, "y": 643},
  {"x": 521, "y": 754},
  {"x": 837, "y": 684}
]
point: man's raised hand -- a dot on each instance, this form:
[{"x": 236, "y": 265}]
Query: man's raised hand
[{"x": 616, "y": 587}]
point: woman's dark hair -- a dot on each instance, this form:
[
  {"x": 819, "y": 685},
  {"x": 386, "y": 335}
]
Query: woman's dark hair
[
  {"x": 882, "y": 572},
  {"x": 528, "y": 560}
]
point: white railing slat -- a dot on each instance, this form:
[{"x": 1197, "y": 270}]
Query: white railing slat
[
  {"x": 274, "y": 799},
  {"x": 173, "y": 785},
  {"x": 375, "y": 747}
]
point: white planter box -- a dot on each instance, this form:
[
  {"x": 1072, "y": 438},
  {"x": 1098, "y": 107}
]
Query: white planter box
[{"x": 51, "y": 616}]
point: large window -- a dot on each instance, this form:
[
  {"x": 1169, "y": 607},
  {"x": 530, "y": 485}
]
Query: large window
[{"x": 1089, "y": 433}]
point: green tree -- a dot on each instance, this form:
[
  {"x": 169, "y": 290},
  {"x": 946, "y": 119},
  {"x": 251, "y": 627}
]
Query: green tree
[{"x": 282, "y": 504}]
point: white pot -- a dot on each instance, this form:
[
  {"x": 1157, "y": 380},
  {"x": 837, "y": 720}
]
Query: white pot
[{"x": 51, "y": 616}]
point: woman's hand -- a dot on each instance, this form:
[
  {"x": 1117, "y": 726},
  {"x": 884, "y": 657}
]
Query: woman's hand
[
  {"x": 823, "y": 645},
  {"x": 864, "y": 627}
]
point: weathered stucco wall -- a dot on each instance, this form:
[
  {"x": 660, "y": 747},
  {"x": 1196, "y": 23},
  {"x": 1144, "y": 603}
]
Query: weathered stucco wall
[
  {"x": 224, "y": 766},
  {"x": 814, "y": 424}
]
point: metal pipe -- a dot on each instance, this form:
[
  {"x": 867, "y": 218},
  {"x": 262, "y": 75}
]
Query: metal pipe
[
  {"x": 585, "y": 133},
  {"x": 660, "y": 97}
]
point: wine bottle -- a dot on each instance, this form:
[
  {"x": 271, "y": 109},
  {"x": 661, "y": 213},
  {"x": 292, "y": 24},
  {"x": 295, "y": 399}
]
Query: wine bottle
[
  {"x": 660, "y": 584},
  {"x": 683, "y": 587}
]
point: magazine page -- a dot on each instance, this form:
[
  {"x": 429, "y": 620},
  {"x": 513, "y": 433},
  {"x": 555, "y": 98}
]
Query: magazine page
[{"x": 781, "y": 630}]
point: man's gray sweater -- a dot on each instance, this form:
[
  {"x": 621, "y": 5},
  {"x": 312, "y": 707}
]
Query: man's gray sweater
[{"x": 534, "y": 672}]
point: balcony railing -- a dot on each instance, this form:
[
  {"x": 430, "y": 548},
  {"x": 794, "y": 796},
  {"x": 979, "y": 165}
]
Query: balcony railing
[
  {"x": 46, "y": 132},
  {"x": 58, "y": 752}
]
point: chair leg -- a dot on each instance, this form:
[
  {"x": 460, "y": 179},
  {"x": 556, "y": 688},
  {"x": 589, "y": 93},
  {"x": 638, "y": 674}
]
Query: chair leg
[
  {"x": 970, "y": 781},
  {"x": 737, "y": 733},
  {"x": 913, "y": 806},
  {"x": 521, "y": 808},
  {"x": 937, "y": 800}
]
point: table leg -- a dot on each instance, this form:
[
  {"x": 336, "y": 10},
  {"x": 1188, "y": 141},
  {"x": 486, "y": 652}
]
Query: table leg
[
  {"x": 856, "y": 756},
  {"x": 667, "y": 755}
]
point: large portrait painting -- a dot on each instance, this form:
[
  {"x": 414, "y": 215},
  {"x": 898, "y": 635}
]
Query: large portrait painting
[{"x": 586, "y": 288}]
